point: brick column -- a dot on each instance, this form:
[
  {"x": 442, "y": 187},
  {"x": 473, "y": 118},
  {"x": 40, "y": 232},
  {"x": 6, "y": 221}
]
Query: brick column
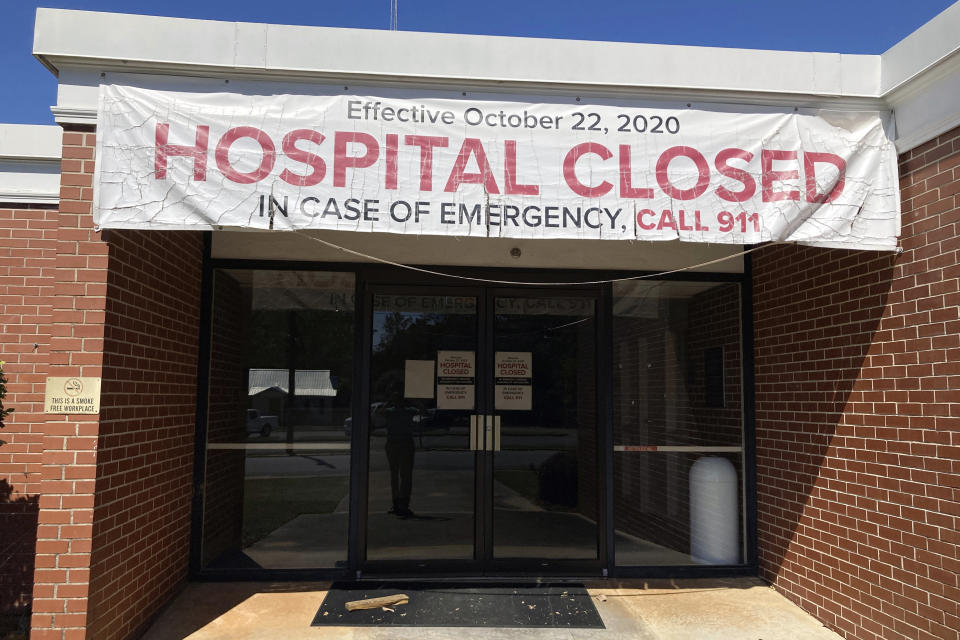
[{"x": 65, "y": 521}]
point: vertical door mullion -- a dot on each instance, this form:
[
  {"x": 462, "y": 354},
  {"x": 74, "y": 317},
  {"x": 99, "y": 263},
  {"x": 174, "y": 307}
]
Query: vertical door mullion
[
  {"x": 485, "y": 408},
  {"x": 360, "y": 442}
]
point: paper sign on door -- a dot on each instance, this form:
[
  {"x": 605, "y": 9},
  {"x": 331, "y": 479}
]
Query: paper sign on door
[
  {"x": 513, "y": 380},
  {"x": 456, "y": 379},
  {"x": 418, "y": 379}
]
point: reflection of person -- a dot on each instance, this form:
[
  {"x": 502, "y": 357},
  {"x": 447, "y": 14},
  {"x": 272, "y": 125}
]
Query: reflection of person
[{"x": 399, "y": 448}]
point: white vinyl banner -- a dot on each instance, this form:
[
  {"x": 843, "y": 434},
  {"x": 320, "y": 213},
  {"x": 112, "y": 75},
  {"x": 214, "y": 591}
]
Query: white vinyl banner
[{"x": 475, "y": 167}]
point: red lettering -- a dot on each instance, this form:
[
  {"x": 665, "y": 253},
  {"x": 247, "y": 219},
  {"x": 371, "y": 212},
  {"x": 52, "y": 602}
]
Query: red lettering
[
  {"x": 666, "y": 220},
  {"x": 164, "y": 150},
  {"x": 312, "y": 160},
  {"x": 767, "y": 158},
  {"x": 810, "y": 160},
  {"x": 641, "y": 215},
  {"x": 426, "y": 144},
  {"x": 267, "y": 159},
  {"x": 342, "y": 162},
  {"x": 390, "y": 179},
  {"x": 570, "y": 173},
  {"x": 703, "y": 173},
  {"x": 510, "y": 185},
  {"x": 471, "y": 147},
  {"x": 736, "y": 173},
  {"x": 627, "y": 190}
]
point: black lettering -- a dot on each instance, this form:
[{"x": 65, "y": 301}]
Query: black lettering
[
  {"x": 331, "y": 209},
  {"x": 551, "y": 217},
  {"x": 472, "y": 216},
  {"x": 303, "y": 206},
  {"x": 447, "y": 213},
  {"x": 406, "y": 207},
  {"x": 352, "y": 205}
]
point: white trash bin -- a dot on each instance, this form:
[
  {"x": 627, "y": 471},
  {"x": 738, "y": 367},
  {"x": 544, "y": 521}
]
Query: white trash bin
[{"x": 714, "y": 512}]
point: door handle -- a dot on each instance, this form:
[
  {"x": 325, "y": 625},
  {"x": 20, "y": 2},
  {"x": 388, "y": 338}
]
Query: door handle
[
  {"x": 496, "y": 433},
  {"x": 489, "y": 422}
]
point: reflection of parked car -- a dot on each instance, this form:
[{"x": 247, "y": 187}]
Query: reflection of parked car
[
  {"x": 422, "y": 420},
  {"x": 257, "y": 423}
]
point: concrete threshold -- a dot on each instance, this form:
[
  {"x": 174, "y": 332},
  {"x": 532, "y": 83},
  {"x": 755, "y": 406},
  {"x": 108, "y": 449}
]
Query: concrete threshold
[{"x": 720, "y": 609}]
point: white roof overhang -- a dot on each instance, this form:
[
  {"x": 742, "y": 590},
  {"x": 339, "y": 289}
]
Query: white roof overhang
[{"x": 79, "y": 46}]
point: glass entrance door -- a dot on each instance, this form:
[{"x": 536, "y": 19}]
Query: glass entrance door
[
  {"x": 545, "y": 506},
  {"x": 421, "y": 478},
  {"x": 482, "y": 431}
]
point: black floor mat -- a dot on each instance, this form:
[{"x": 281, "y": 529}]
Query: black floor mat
[{"x": 566, "y": 606}]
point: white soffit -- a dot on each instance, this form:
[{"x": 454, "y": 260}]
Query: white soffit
[{"x": 30, "y": 164}]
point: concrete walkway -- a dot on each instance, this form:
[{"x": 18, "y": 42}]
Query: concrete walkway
[{"x": 729, "y": 609}]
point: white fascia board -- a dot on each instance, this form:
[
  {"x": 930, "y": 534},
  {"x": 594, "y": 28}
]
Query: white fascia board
[
  {"x": 931, "y": 44},
  {"x": 23, "y": 181},
  {"x": 927, "y": 106},
  {"x": 30, "y": 142},
  {"x": 201, "y": 47},
  {"x": 30, "y": 163}
]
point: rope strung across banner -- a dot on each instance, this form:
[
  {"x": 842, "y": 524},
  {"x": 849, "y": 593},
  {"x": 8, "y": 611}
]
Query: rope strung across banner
[{"x": 432, "y": 272}]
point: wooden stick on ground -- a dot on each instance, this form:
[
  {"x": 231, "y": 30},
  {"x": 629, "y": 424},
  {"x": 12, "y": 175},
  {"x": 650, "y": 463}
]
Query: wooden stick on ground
[{"x": 373, "y": 603}]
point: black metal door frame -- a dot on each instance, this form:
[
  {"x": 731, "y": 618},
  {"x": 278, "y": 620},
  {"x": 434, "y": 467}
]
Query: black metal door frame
[
  {"x": 483, "y": 562},
  {"x": 377, "y": 274}
]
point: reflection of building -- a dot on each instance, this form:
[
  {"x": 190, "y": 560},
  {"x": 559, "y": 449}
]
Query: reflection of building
[
  {"x": 269, "y": 391},
  {"x": 824, "y": 376}
]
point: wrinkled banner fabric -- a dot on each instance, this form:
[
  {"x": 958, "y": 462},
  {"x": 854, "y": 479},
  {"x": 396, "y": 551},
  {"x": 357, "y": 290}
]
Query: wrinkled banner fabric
[{"x": 495, "y": 168}]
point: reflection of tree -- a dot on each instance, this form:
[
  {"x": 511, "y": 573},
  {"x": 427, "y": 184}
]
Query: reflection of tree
[
  {"x": 413, "y": 336},
  {"x": 554, "y": 342}
]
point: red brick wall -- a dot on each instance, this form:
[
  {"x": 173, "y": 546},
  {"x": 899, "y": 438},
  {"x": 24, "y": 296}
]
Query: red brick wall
[
  {"x": 114, "y": 510},
  {"x": 858, "y": 418},
  {"x": 141, "y": 518},
  {"x": 226, "y": 421},
  {"x": 28, "y": 247}
]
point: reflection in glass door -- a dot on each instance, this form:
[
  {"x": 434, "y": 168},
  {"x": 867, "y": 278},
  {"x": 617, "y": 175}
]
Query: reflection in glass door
[
  {"x": 545, "y": 489},
  {"x": 482, "y": 431},
  {"x": 421, "y": 479}
]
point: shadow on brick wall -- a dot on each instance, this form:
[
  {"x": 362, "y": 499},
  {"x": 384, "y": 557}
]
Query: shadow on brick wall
[
  {"x": 817, "y": 317},
  {"x": 18, "y": 541}
]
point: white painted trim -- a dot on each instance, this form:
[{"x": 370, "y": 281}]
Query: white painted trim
[
  {"x": 202, "y": 47},
  {"x": 30, "y": 142},
  {"x": 74, "y": 115},
  {"x": 30, "y": 164},
  {"x": 75, "y": 43},
  {"x": 15, "y": 197},
  {"x": 936, "y": 41}
]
